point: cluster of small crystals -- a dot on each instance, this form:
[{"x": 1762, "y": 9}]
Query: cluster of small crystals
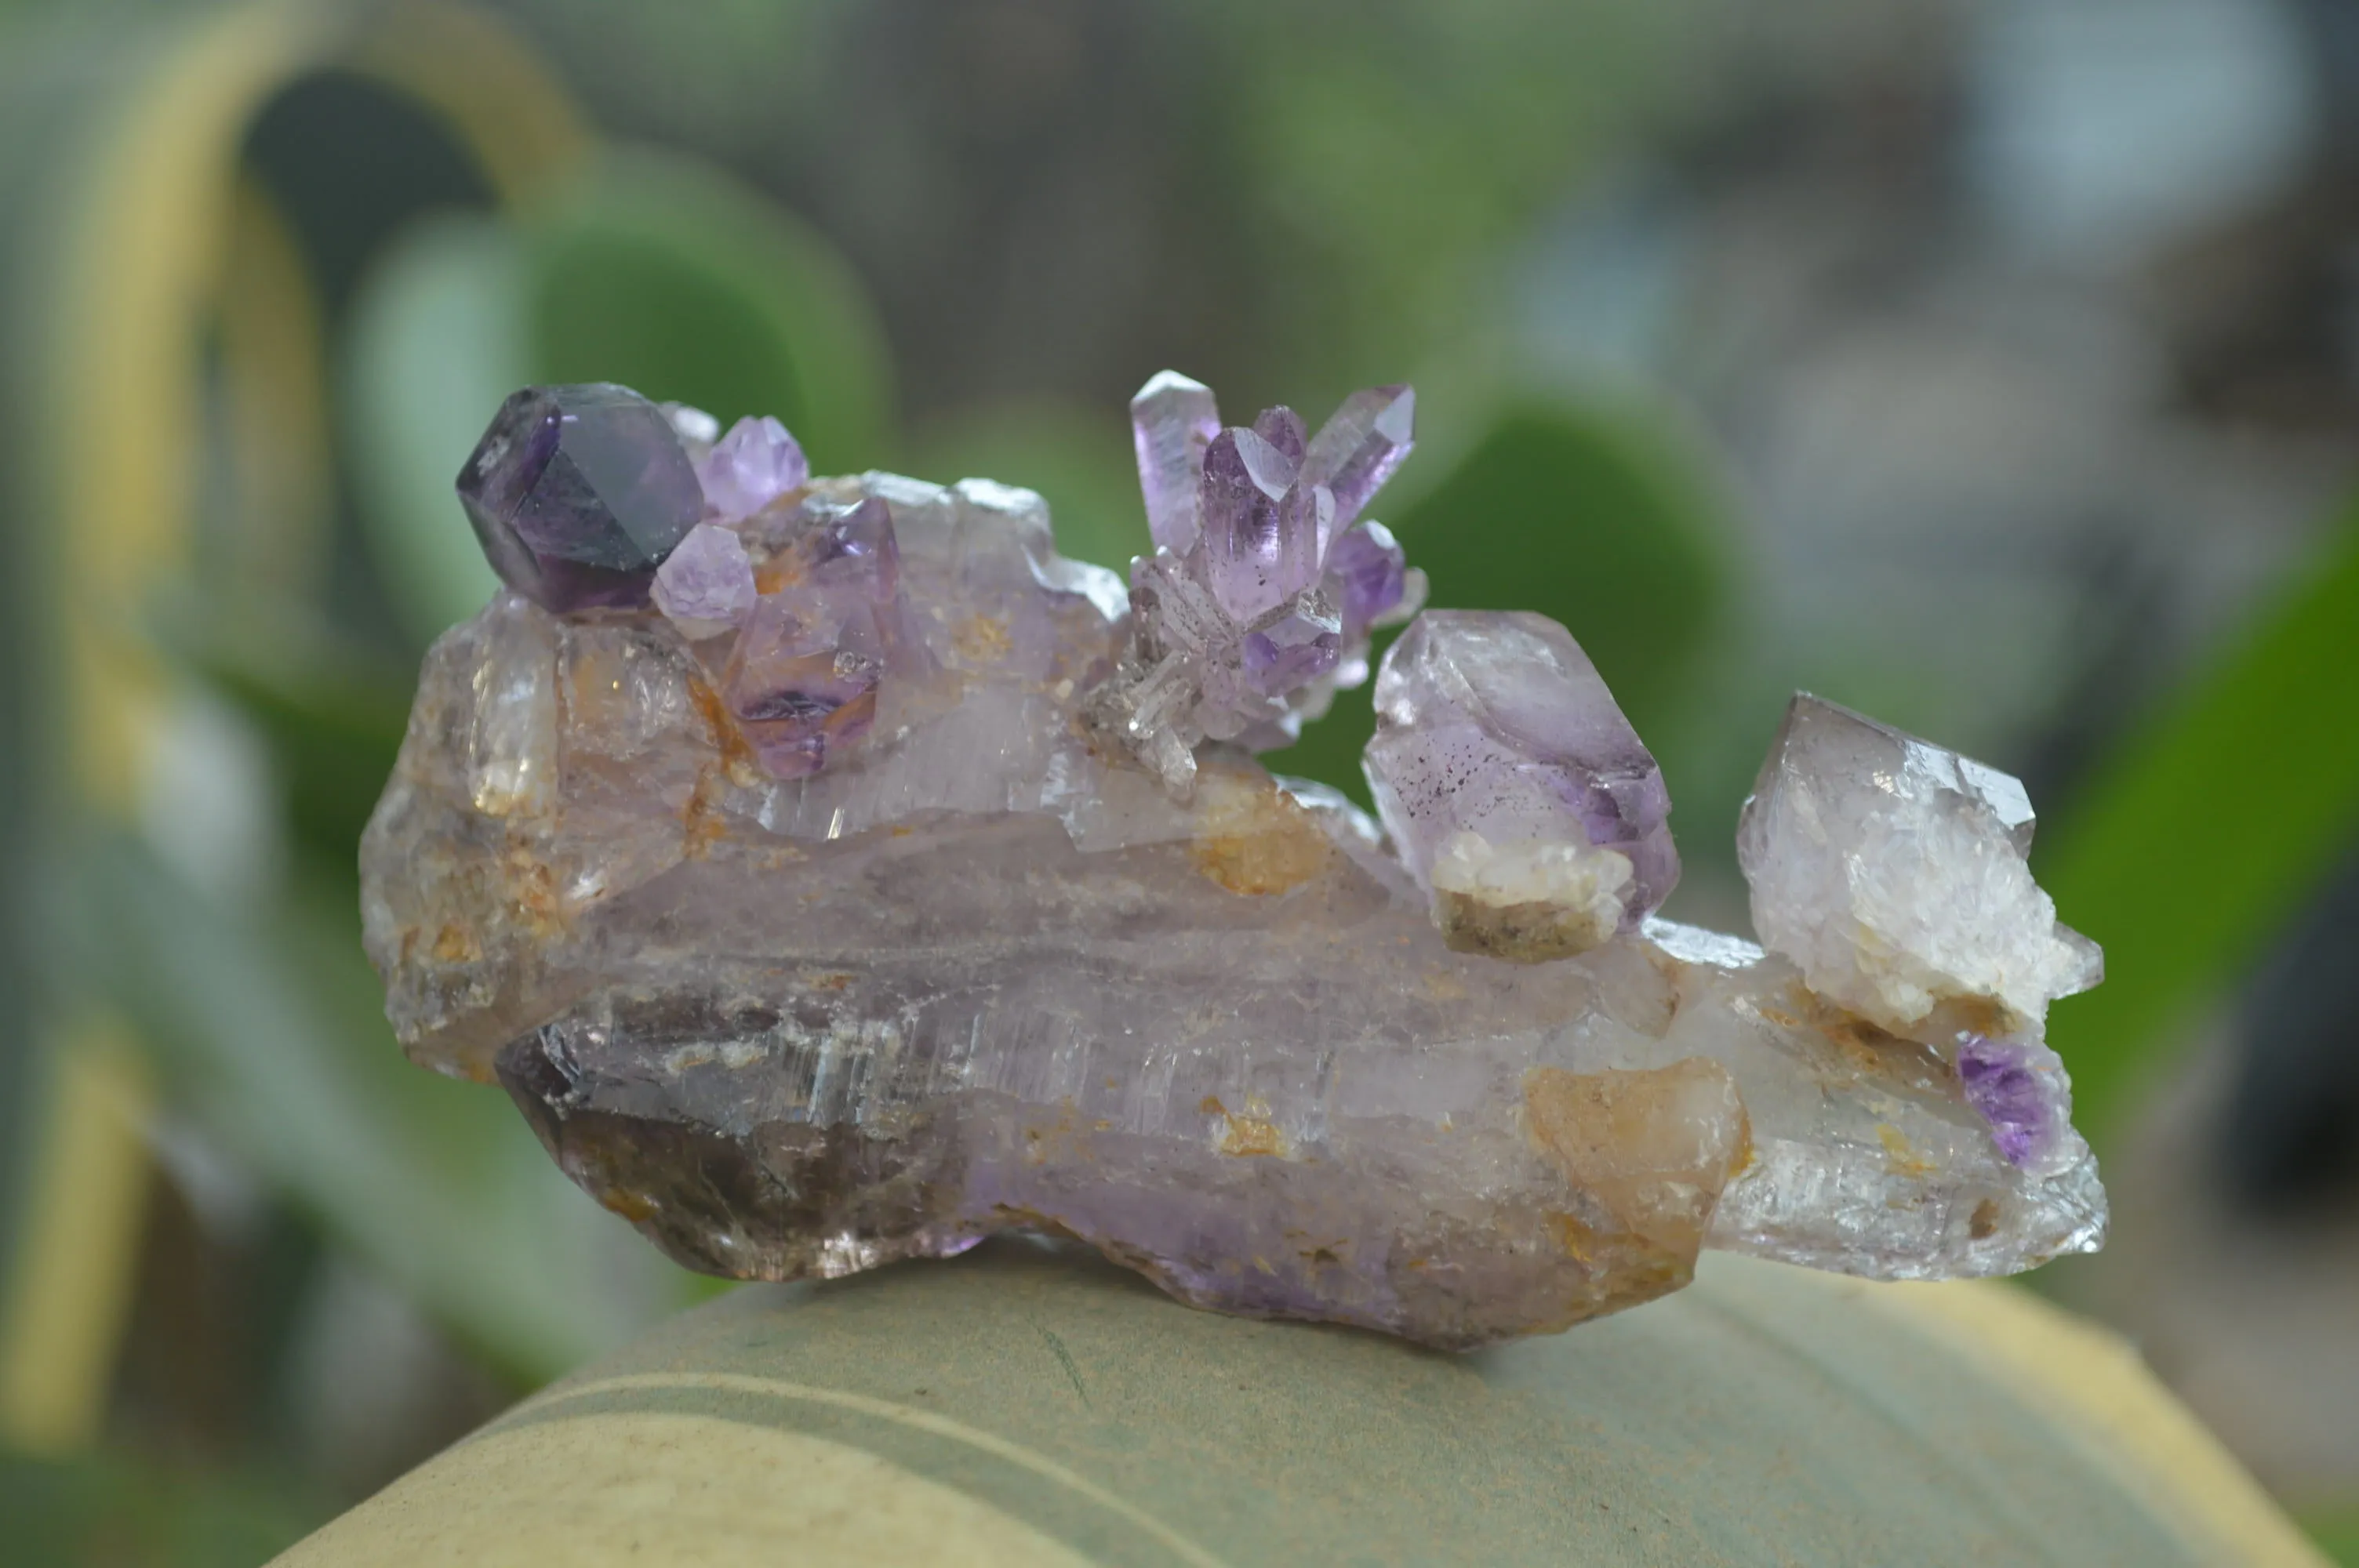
[
  {"x": 766, "y": 847},
  {"x": 1256, "y": 607},
  {"x": 1895, "y": 875}
]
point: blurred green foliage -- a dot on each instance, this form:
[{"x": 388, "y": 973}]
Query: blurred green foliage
[
  {"x": 2204, "y": 834},
  {"x": 667, "y": 276},
  {"x": 113, "y": 1511},
  {"x": 2337, "y": 1535}
]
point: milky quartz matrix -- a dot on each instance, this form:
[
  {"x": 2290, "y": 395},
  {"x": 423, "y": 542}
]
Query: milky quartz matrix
[{"x": 833, "y": 873}]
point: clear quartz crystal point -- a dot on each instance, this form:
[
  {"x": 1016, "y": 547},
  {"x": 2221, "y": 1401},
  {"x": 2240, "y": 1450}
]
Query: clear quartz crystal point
[
  {"x": 908, "y": 906},
  {"x": 577, "y": 493},
  {"x": 1514, "y": 788},
  {"x": 1895, "y": 875}
]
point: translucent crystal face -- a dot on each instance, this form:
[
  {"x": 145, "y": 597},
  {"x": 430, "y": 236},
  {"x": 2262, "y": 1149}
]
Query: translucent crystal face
[
  {"x": 1894, "y": 874},
  {"x": 753, "y": 467},
  {"x": 706, "y": 585},
  {"x": 1514, "y": 787},
  {"x": 578, "y": 494},
  {"x": 875, "y": 890}
]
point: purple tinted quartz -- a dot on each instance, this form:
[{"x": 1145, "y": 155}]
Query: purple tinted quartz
[
  {"x": 1360, "y": 447},
  {"x": 578, "y": 494},
  {"x": 706, "y": 585},
  {"x": 1367, "y": 573},
  {"x": 854, "y": 550},
  {"x": 1254, "y": 556},
  {"x": 1297, "y": 645},
  {"x": 752, "y": 466},
  {"x": 2005, "y": 1085},
  {"x": 1517, "y": 793},
  {"x": 802, "y": 680},
  {"x": 800, "y": 686},
  {"x": 1172, "y": 421}
]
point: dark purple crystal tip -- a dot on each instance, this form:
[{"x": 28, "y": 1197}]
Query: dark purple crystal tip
[{"x": 578, "y": 494}]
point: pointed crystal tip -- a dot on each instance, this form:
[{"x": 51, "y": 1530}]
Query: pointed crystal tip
[{"x": 1893, "y": 872}]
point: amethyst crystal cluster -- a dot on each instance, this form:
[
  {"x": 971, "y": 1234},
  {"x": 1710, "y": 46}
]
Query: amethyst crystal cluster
[
  {"x": 1257, "y": 605},
  {"x": 833, "y": 873}
]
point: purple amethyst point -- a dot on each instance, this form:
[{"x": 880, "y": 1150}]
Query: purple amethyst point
[
  {"x": 1367, "y": 575},
  {"x": 802, "y": 687},
  {"x": 855, "y": 549},
  {"x": 751, "y": 467},
  {"x": 1172, "y": 421},
  {"x": 578, "y": 494},
  {"x": 1361, "y": 446},
  {"x": 1301, "y": 642},
  {"x": 1257, "y": 551},
  {"x": 1283, "y": 429},
  {"x": 706, "y": 585}
]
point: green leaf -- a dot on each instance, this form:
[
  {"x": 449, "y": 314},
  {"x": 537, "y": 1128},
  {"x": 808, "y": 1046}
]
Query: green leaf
[
  {"x": 2208, "y": 830},
  {"x": 270, "y": 1026},
  {"x": 670, "y": 277},
  {"x": 333, "y": 713},
  {"x": 437, "y": 342},
  {"x": 2336, "y": 1533},
  {"x": 1589, "y": 517}
]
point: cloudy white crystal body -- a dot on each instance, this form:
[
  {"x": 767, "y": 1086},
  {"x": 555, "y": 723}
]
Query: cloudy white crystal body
[
  {"x": 980, "y": 968},
  {"x": 1895, "y": 874}
]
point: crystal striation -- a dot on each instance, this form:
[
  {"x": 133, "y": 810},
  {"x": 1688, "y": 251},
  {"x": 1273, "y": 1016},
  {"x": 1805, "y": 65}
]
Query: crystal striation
[
  {"x": 578, "y": 494},
  {"x": 858, "y": 932}
]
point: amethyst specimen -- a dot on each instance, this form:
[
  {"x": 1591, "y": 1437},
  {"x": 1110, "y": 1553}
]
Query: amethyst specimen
[
  {"x": 1515, "y": 789},
  {"x": 578, "y": 494},
  {"x": 1256, "y": 607},
  {"x": 855, "y": 930}
]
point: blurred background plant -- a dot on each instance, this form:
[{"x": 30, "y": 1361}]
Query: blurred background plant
[{"x": 1990, "y": 367}]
